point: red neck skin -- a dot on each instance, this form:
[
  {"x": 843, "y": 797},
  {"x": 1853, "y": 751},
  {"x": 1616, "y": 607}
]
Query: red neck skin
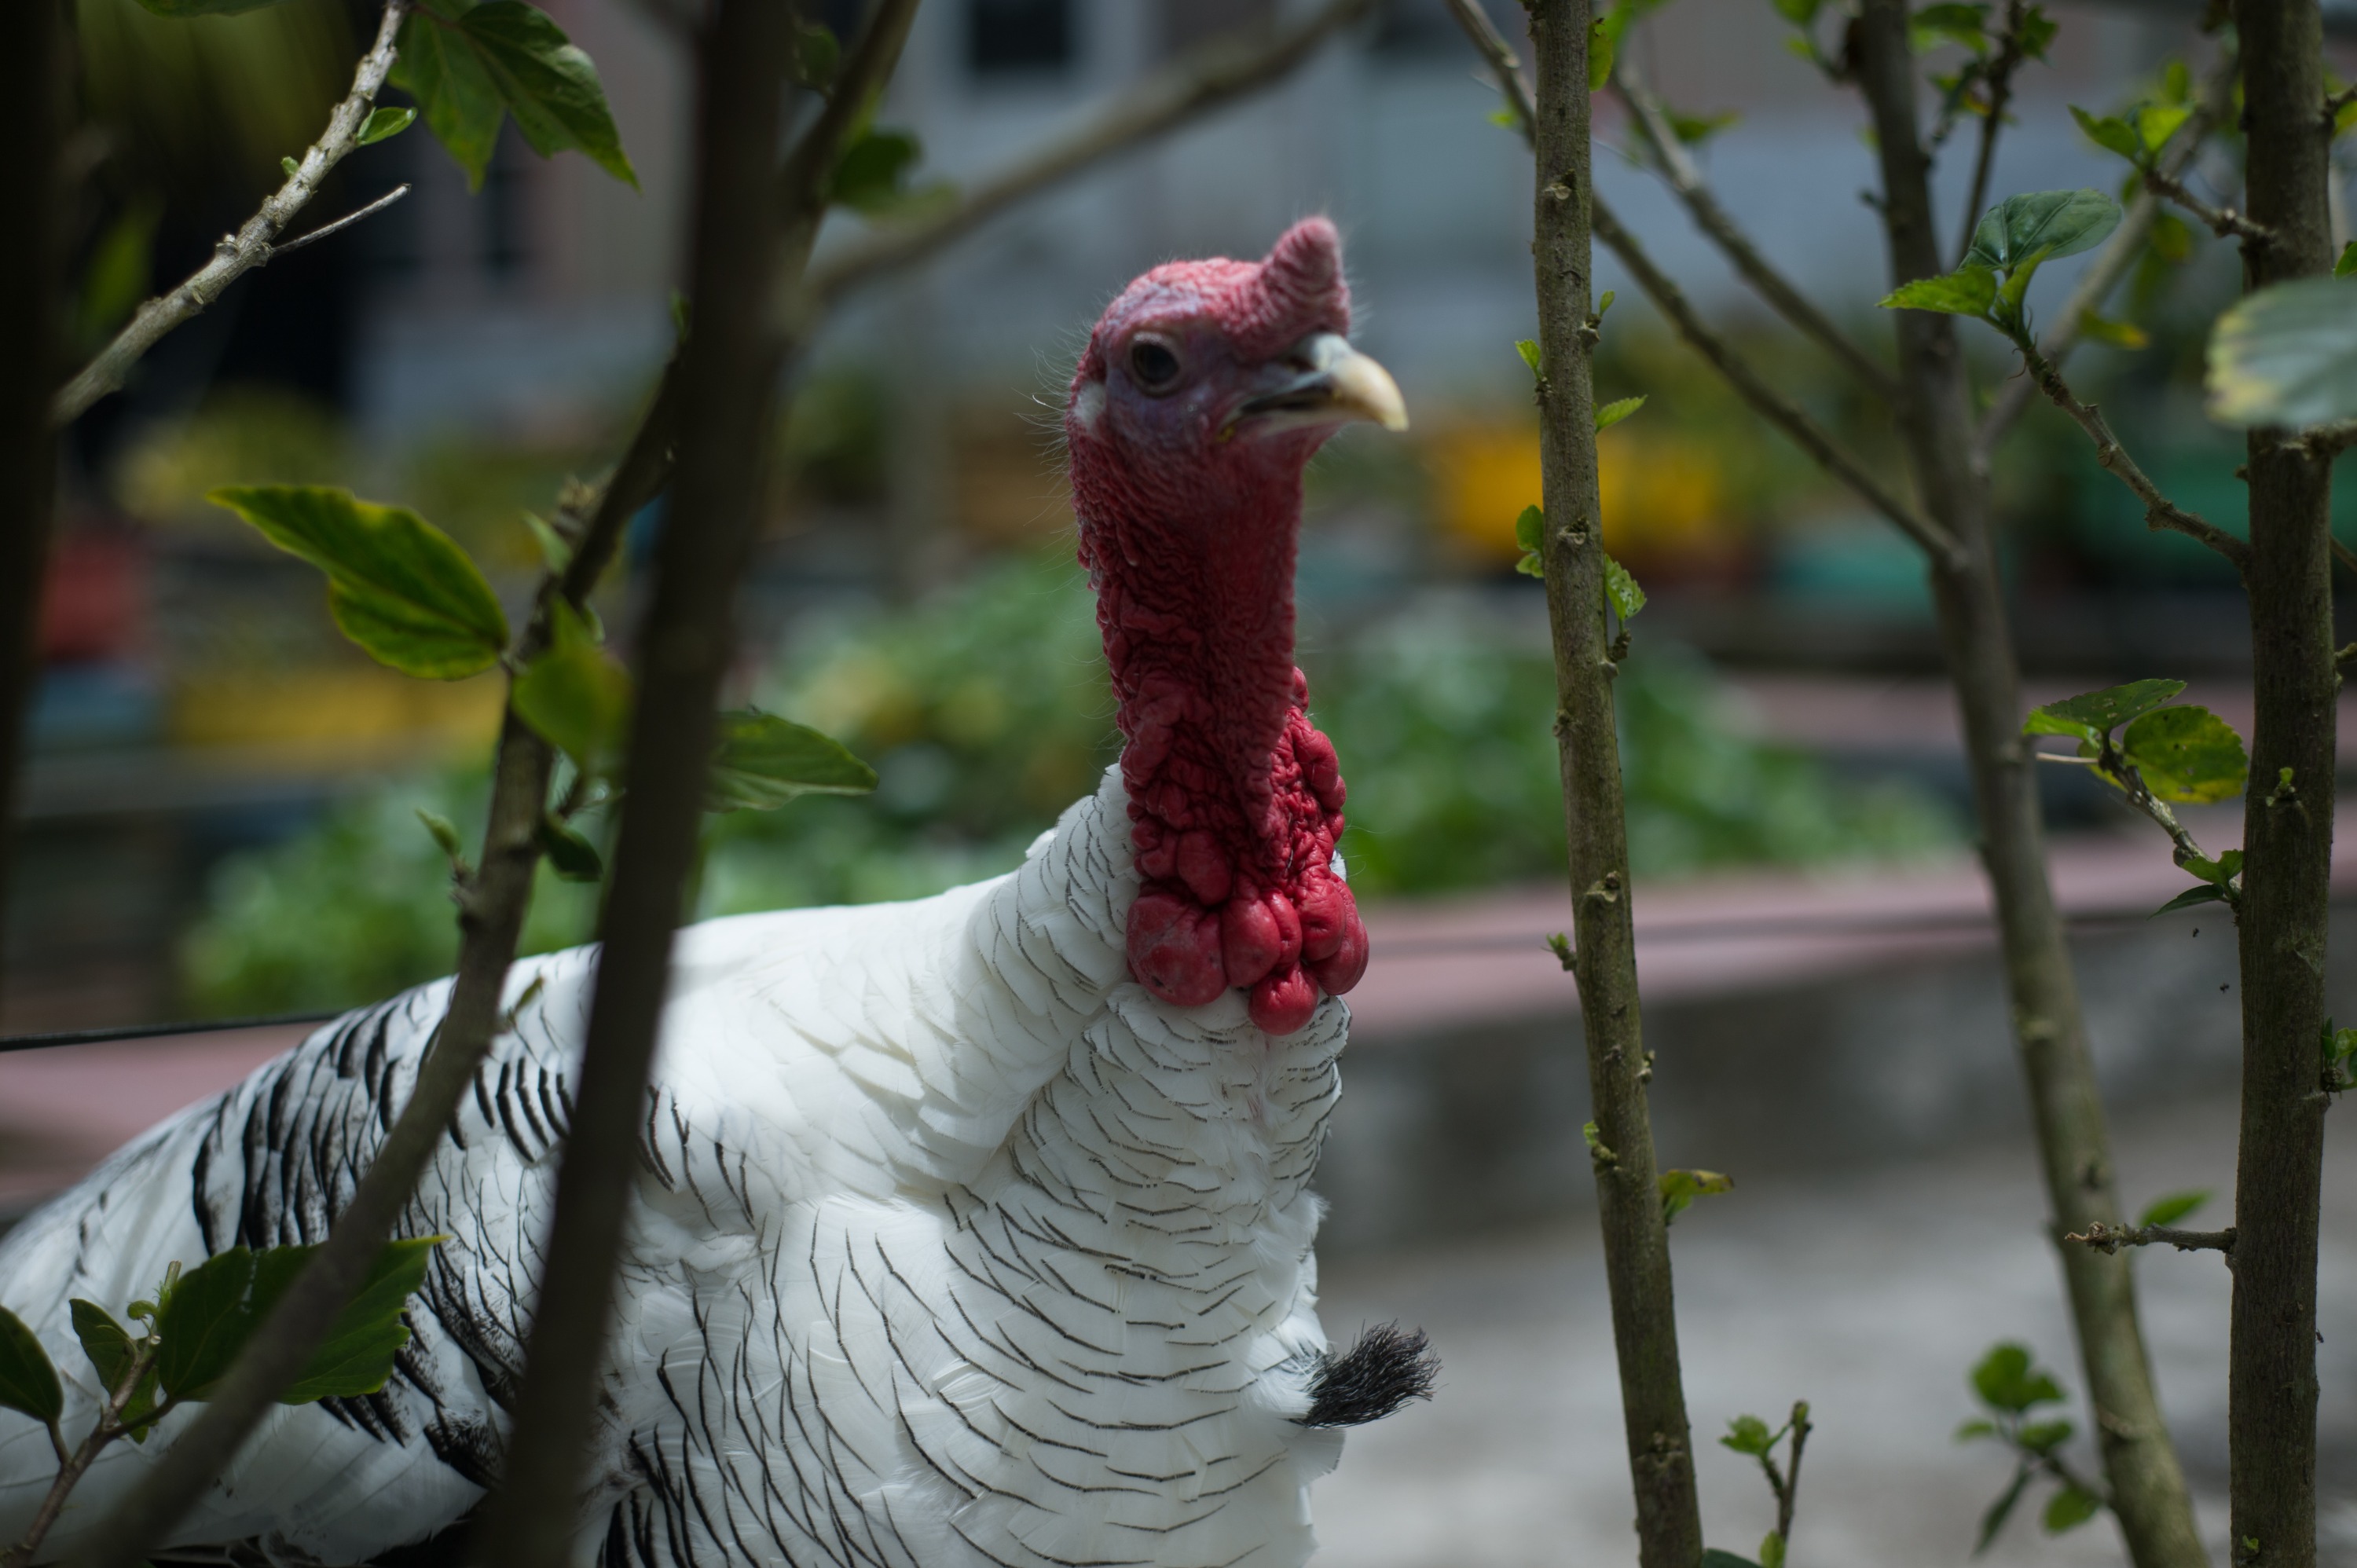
[{"x": 1236, "y": 800}]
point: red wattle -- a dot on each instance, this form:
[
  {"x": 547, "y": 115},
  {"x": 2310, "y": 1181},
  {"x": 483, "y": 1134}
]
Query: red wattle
[
  {"x": 1343, "y": 968},
  {"x": 1327, "y": 913},
  {"x": 1174, "y": 948},
  {"x": 1282, "y": 1002}
]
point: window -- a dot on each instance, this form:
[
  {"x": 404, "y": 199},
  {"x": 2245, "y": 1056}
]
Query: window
[
  {"x": 1015, "y": 37},
  {"x": 1186, "y": 23}
]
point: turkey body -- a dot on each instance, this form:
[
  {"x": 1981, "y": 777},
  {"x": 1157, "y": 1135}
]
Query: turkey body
[{"x": 951, "y": 1245}]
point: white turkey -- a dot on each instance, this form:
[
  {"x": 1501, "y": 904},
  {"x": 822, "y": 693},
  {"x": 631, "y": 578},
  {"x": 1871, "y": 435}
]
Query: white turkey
[{"x": 972, "y": 1230}]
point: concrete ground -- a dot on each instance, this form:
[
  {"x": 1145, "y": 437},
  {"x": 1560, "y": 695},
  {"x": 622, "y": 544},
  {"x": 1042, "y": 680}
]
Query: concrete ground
[{"x": 1868, "y": 1293}]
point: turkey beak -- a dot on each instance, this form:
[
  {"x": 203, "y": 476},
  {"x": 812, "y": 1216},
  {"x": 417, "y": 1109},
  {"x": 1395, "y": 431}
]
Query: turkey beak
[{"x": 1330, "y": 383}]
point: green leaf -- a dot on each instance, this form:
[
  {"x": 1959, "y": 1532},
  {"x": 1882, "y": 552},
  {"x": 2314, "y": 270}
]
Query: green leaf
[
  {"x": 1771, "y": 1551},
  {"x": 1748, "y": 1434},
  {"x": 1800, "y": 13},
  {"x": 2036, "y": 33},
  {"x": 1622, "y": 590},
  {"x": 1976, "y": 1428},
  {"x": 2044, "y": 224},
  {"x": 469, "y": 67},
  {"x": 1530, "y": 529},
  {"x": 760, "y": 762},
  {"x": 1680, "y": 1189},
  {"x": 1601, "y": 48},
  {"x": 570, "y": 855},
  {"x": 2000, "y": 1510},
  {"x": 2118, "y": 333},
  {"x": 1695, "y": 129},
  {"x": 397, "y": 586},
  {"x": 441, "y": 68},
  {"x": 2187, "y": 755},
  {"x": 869, "y": 174},
  {"x": 2171, "y": 238},
  {"x": 2221, "y": 870},
  {"x": 2173, "y": 1206},
  {"x": 2202, "y": 892},
  {"x": 816, "y": 54},
  {"x": 2006, "y": 1382},
  {"x": 2287, "y": 355},
  {"x": 1603, "y": 303},
  {"x": 556, "y": 550},
  {"x": 357, "y": 1357},
  {"x": 387, "y": 122},
  {"x": 2347, "y": 261},
  {"x": 112, "y": 1350},
  {"x": 203, "y": 1323},
  {"x": 1969, "y": 291},
  {"x": 1613, "y": 412},
  {"x": 2155, "y": 124},
  {"x": 121, "y": 267},
  {"x": 1948, "y": 23},
  {"x": 2042, "y": 1437},
  {"x": 549, "y": 85},
  {"x": 28, "y": 1381},
  {"x": 2092, "y": 715},
  {"x": 444, "y": 833},
  {"x": 576, "y": 696},
  {"x": 2071, "y": 1508},
  {"x": 1529, "y": 350},
  {"x": 2109, "y": 133}
]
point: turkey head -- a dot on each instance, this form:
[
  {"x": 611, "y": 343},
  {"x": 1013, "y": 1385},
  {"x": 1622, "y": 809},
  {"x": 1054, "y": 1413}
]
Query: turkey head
[{"x": 1204, "y": 389}]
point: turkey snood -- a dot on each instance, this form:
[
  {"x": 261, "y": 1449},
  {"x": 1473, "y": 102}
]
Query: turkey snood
[{"x": 1205, "y": 389}]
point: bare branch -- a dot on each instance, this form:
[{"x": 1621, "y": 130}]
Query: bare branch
[
  {"x": 2109, "y": 1239},
  {"x": 2160, "y": 512},
  {"x": 2223, "y": 222},
  {"x": 2111, "y": 263},
  {"x": 346, "y": 222},
  {"x": 1766, "y": 401},
  {"x": 1999, "y": 77},
  {"x": 1678, "y": 170},
  {"x": 250, "y": 246},
  {"x": 1207, "y": 79}
]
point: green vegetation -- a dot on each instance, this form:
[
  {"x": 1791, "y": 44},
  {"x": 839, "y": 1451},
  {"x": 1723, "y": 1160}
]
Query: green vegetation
[{"x": 985, "y": 712}]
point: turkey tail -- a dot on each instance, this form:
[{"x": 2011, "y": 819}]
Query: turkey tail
[{"x": 1388, "y": 1367}]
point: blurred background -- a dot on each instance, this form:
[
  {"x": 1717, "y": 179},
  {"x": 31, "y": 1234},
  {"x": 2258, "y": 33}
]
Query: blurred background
[{"x": 218, "y": 819}]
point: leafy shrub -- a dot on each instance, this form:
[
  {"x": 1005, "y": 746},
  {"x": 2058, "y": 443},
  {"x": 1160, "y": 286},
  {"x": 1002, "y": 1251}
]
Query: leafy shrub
[{"x": 986, "y": 712}]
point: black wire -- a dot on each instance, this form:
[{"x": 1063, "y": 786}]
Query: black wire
[
  {"x": 149, "y": 1031},
  {"x": 1436, "y": 947}
]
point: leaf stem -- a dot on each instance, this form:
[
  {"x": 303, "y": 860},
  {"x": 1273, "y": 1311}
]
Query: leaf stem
[
  {"x": 251, "y": 246},
  {"x": 105, "y": 1429}
]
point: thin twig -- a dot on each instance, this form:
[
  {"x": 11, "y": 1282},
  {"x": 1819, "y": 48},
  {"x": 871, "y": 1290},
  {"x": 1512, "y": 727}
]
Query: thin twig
[
  {"x": 751, "y": 243},
  {"x": 2336, "y": 102},
  {"x": 1765, "y": 400},
  {"x": 2109, "y": 1239},
  {"x": 1999, "y": 77},
  {"x": 370, "y": 210},
  {"x": 2110, "y": 265},
  {"x": 1788, "y": 1487},
  {"x": 2223, "y": 222},
  {"x": 2160, "y": 512},
  {"x": 1205, "y": 78},
  {"x": 1678, "y": 169},
  {"x": 105, "y": 1429},
  {"x": 251, "y": 246}
]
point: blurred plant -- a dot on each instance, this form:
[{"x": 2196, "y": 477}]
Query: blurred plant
[
  {"x": 206, "y": 107},
  {"x": 2011, "y": 1386},
  {"x": 241, "y": 434},
  {"x": 836, "y": 438},
  {"x": 986, "y": 712},
  {"x": 1750, "y": 1434}
]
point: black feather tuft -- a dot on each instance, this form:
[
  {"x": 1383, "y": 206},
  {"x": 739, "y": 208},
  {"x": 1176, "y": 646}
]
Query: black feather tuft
[{"x": 1387, "y": 1367}]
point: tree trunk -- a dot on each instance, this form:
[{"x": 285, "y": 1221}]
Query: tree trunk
[
  {"x": 2287, "y": 836},
  {"x": 1636, "y": 1242},
  {"x": 2147, "y": 1487},
  {"x": 30, "y": 67}
]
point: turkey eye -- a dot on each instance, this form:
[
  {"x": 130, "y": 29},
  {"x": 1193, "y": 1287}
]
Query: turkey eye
[{"x": 1152, "y": 365}]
